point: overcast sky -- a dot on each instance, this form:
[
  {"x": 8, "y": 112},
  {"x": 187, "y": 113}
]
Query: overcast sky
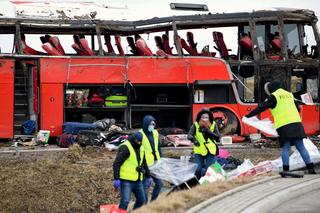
[{"x": 142, "y": 9}]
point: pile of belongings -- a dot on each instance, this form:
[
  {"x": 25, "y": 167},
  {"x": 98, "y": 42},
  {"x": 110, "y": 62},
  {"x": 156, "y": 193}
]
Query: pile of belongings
[{"x": 176, "y": 140}]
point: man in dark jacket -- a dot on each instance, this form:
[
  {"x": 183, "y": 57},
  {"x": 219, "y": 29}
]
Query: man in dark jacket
[
  {"x": 151, "y": 144},
  {"x": 204, "y": 133},
  {"x": 287, "y": 122},
  {"x": 129, "y": 169}
]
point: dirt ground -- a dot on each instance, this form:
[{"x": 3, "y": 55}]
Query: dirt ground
[{"x": 78, "y": 180}]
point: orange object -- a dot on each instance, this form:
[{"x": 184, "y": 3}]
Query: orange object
[{"x": 111, "y": 208}]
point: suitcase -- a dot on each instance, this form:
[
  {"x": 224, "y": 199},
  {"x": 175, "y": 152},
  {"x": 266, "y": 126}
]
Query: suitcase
[
  {"x": 90, "y": 138},
  {"x": 116, "y": 101},
  {"x": 75, "y": 127}
]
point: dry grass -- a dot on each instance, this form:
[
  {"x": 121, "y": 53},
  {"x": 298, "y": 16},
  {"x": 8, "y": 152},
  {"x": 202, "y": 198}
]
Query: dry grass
[
  {"x": 183, "y": 200},
  {"x": 56, "y": 185}
]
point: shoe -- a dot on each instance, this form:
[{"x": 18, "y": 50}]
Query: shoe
[
  {"x": 310, "y": 168},
  {"x": 285, "y": 169}
]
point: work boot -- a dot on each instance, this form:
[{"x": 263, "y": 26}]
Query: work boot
[
  {"x": 310, "y": 168},
  {"x": 284, "y": 170}
]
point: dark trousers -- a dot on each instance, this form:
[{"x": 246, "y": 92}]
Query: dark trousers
[
  {"x": 156, "y": 190},
  {"x": 126, "y": 187},
  {"x": 203, "y": 163}
]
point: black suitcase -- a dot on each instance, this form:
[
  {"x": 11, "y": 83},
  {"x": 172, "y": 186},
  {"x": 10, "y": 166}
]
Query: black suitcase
[{"x": 90, "y": 138}]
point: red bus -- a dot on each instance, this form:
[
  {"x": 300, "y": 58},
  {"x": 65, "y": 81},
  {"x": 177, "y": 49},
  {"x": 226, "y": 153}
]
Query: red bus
[{"x": 172, "y": 84}]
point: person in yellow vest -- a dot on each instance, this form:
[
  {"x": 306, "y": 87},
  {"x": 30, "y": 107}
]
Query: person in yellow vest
[
  {"x": 287, "y": 122},
  {"x": 151, "y": 144},
  {"x": 204, "y": 133},
  {"x": 129, "y": 169}
]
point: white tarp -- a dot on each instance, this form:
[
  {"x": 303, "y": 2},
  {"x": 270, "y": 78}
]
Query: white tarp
[
  {"x": 175, "y": 171},
  {"x": 264, "y": 125},
  {"x": 296, "y": 161}
]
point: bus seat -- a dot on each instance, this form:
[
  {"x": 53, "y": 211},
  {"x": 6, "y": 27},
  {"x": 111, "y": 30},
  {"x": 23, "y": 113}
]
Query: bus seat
[
  {"x": 119, "y": 46},
  {"x": 246, "y": 42},
  {"x": 55, "y": 42},
  {"x": 191, "y": 43},
  {"x": 160, "y": 52},
  {"x": 143, "y": 47},
  {"x": 107, "y": 39},
  {"x": 85, "y": 45},
  {"x": 132, "y": 45},
  {"x": 159, "y": 42},
  {"x": 50, "y": 49},
  {"x": 25, "y": 48},
  {"x": 276, "y": 42},
  {"x": 185, "y": 46},
  {"x": 221, "y": 46},
  {"x": 166, "y": 45}
]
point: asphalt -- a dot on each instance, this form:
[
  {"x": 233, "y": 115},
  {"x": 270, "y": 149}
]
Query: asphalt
[{"x": 273, "y": 194}]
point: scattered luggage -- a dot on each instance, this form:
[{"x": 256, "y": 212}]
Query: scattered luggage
[
  {"x": 75, "y": 127},
  {"x": 90, "y": 138},
  {"x": 66, "y": 140}
]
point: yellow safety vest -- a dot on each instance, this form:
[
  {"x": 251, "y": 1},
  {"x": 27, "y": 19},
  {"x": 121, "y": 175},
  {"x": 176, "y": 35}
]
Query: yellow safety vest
[
  {"x": 128, "y": 168},
  {"x": 204, "y": 146},
  {"x": 285, "y": 111},
  {"x": 147, "y": 147}
]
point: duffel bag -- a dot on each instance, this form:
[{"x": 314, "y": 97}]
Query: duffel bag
[
  {"x": 66, "y": 140},
  {"x": 75, "y": 127},
  {"x": 116, "y": 101},
  {"x": 90, "y": 138}
]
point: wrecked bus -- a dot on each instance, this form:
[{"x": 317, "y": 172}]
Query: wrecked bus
[{"x": 127, "y": 69}]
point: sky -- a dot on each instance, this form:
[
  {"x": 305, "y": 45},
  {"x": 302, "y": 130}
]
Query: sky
[{"x": 142, "y": 9}]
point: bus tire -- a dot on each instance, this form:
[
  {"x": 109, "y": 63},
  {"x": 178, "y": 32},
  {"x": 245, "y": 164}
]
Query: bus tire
[{"x": 226, "y": 121}]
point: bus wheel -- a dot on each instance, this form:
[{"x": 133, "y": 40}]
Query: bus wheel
[{"x": 226, "y": 121}]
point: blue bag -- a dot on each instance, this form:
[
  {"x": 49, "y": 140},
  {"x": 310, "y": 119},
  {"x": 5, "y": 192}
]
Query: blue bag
[
  {"x": 29, "y": 127},
  {"x": 75, "y": 127}
]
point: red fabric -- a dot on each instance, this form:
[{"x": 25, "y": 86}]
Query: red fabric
[
  {"x": 85, "y": 46},
  {"x": 54, "y": 41},
  {"x": 118, "y": 44},
  {"x": 107, "y": 40},
  {"x": 50, "y": 49},
  {"x": 143, "y": 47},
  {"x": 161, "y": 53},
  {"x": 166, "y": 45},
  {"x": 185, "y": 46},
  {"x": 218, "y": 39},
  {"x": 79, "y": 50},
  {"x": 277, "y": 42},
  {"x": 246, "y": 42}
]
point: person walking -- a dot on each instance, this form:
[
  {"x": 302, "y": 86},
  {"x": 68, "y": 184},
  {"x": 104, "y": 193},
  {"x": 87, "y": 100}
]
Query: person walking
[
  {"x": 151, "y": 144},
  {"x": 204, "y": 133},
  {"x": 287, "y": 122},
  {"x": 129, "y": 169}
]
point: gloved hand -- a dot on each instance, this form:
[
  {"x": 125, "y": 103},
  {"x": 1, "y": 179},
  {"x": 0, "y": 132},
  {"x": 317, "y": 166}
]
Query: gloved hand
[
  {"x": 204, "y": 130},
  {"x": 149, "y": 182},
  {"x": 116, "y": 184},
  {"x": 196, "y": 143},
  {"x": 141, "y": 169}
]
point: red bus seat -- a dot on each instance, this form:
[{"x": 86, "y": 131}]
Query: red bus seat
[
  {"x": 119, "y": 46},
  {"x": 132, "y": 45},
  {"x": 143, "y": 47},
  {"x": 246, "y": 42},
  {"x": 160, "y": 52},
  {"x": 166, "y": 45},
  {"x": 191, "y": 43},
  {"x": 55, "y": 42},
  {"x": 25, "y": 48},
  {"x": 221, "y": 46},
  {"x": 85, "y": 46},
  {"x": 159, "y": 42},
  {"x": 50, "y": 49},
  {"x": 276, "y": 42},
  {"x": 185, "y": 46},
  {"x": 107, "y": 39}
]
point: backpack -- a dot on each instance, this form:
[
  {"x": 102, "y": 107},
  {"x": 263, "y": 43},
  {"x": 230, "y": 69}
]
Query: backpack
[{"x": 65, "y": 140}]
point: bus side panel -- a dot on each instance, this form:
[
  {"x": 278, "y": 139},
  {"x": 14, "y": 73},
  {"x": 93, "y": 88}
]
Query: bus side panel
[
  {"x": 7, "y": 98},
  {"x": 310, "y": 119},
  {"x": 51, "y": 108}
]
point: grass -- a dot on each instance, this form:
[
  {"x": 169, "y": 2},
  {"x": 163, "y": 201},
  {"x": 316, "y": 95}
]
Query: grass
[{"x": 183, "y": 200}]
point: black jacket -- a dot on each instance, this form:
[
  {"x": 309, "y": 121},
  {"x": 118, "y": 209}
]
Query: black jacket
[
  {"x": 122, "y": 155},
  {"x": 293, "y": 130}
]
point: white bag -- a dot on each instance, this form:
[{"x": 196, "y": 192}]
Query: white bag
[{"x": 264, "y": 125}]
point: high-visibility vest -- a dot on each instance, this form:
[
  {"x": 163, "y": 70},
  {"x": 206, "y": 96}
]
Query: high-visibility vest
[
  {"x": 204, "y": 146},
  {"x": 285, "y": 111},
  {"x": 128, "y": 170},
  {"x": 148, "y": 149}
]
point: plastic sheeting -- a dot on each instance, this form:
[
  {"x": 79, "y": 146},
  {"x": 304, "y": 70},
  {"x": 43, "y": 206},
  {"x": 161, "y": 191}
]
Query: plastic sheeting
[
  {"x": 174, "y": 171},
  {"x": 296, "y": 161},
  {"x": 264, "y": 125}
]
